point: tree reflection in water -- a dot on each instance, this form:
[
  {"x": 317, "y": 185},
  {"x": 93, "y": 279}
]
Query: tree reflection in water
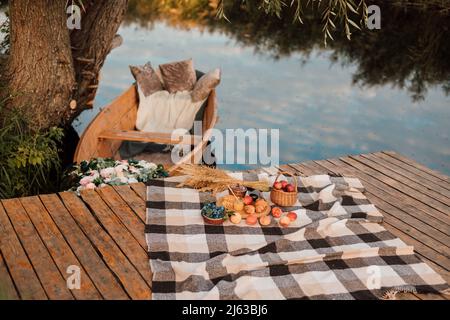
[{"x": 410, "y": 50}]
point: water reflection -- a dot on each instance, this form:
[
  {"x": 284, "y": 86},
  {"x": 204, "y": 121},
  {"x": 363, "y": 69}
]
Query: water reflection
[
  {"x": 410, "y": 51},
  {"x": 383, "y": 90}
]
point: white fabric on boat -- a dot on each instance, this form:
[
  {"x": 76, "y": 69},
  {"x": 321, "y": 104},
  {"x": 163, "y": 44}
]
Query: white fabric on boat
[{"x": 164, "y": 112}]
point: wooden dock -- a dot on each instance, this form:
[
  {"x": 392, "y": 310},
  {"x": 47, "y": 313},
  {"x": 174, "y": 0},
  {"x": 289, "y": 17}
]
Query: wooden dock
[{"x": 102, "y": 232}]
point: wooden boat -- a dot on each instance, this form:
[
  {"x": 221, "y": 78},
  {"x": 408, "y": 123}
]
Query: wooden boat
[{"x": 116, "y": 123}]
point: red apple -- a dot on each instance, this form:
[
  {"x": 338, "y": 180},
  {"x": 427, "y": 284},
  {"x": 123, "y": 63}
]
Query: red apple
[
  {"x": 285, "y": 221},
  {"x": 284, "y": 183},
  {"x": 278, "y": 185},
  {"x": 276, "y": 212},
  {"x": 290, "y": 188},
  {"x": 292, "y": 216},
  {"x": 248, "y": 200}
]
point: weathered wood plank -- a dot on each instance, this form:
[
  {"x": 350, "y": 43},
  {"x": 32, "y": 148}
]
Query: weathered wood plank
[
  {"x": 20, "y": 268},
  {"x": 119, "y": 233},
  {"x": 413, "y": 170},
  {"x": 430, "y": 197},
  {"x": 58, "y": 248},
  {"x": 52, "y": 280},
  {"x": 103, "y": 278},
  {"x": 7, "y": 288},
  {"x": 430, "y": 296},
  {"x": 288, "y": 168},
  {"x": 406, "y": 296},
  {"x": 417, "y": 182},
  {"x": 124, "y": 270},
  {"x": 133, "y": 200},
  {"x": 129, "y": 219},
  {"x": 417, "y": 165},
  {"x": 269, "y": 170},
  {"x": 140, "y": 189}
]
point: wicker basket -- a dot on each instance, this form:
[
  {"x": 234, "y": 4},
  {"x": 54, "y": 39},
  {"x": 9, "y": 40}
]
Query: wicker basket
[{"x": 282, "y": 198}]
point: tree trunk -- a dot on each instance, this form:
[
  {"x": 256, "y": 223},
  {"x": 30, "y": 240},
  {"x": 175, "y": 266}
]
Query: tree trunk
[
  {"x": 52, "y": 71},
  {"x": 91, "y": 45},
  {"x": 40, "y": 69}
]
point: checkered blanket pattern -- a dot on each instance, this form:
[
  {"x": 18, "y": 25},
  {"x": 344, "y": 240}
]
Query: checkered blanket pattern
[{"x": 336, "y": 249}]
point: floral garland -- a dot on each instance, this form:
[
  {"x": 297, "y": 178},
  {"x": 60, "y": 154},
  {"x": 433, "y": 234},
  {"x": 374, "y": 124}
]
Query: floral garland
[{"x": 101, "y": 172}]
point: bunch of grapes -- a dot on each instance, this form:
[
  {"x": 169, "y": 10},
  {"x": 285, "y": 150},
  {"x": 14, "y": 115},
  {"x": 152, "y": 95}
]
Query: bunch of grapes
[{"x": 211, "y": 210}]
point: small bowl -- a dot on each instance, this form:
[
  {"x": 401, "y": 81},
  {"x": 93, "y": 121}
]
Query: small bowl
[
  {"x": 238, "y": 190},
  {"x": 216, "y": 221}
]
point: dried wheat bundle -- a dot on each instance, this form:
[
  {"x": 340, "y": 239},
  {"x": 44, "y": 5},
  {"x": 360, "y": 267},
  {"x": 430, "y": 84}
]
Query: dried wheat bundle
[{"x": 206, "y": 179}]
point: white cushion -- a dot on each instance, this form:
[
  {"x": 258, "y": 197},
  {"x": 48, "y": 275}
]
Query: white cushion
[{"x": 164, "y": 112}]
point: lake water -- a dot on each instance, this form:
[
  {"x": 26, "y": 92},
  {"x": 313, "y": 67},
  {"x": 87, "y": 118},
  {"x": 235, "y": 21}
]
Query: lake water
[{"x": 309, "y": 94}]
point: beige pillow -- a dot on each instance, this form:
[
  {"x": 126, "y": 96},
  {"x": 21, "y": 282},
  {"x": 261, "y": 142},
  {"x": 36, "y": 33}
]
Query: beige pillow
[
  {"x": 205, "y": 85},
  {"x": 147, "y": 79},
  {"x": 178, "y": 76}
]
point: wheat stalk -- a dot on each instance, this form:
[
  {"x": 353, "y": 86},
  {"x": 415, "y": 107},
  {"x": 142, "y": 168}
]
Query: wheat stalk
[{"x": 206, "y": 179}]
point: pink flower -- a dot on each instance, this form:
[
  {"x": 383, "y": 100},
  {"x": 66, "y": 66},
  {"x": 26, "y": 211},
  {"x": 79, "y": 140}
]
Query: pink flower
[
  {"x": 90, "y": 186},
  {"x": 107, "y": 173},
  {"x": 86, "y": 180}
]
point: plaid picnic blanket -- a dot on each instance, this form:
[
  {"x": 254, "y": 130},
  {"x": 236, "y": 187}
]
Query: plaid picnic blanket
[{"x": 336, "y": 249}]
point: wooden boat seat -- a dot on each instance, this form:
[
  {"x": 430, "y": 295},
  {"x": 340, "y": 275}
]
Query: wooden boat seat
[{"x": 140, "y": 136}]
